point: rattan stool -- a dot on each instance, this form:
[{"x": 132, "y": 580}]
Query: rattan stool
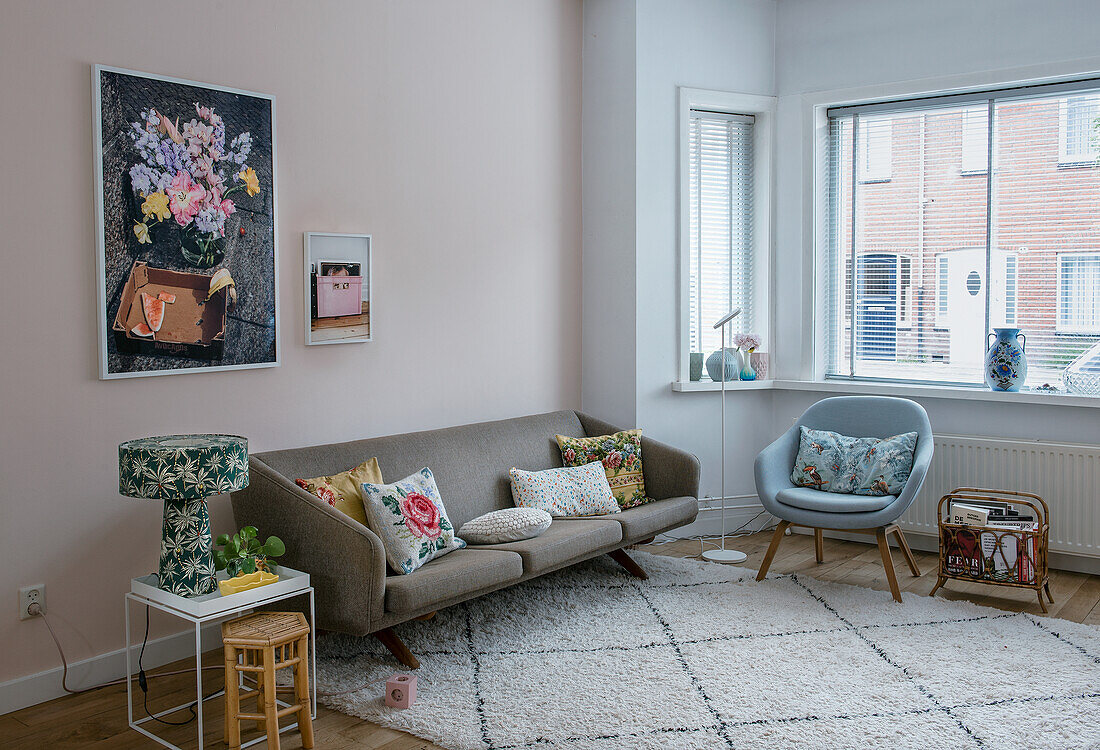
[{"x": 261, "y": 644}]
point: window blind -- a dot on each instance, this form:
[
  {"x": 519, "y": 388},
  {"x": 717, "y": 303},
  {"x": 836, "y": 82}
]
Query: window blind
[
  {"x": 720, "y": 218},
  {"x": 962, "y": 236}
]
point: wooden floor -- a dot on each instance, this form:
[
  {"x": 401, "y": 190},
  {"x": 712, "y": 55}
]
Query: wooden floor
[
  {"x": 341, "y": 327},
  {"x": 98, "y": 719}
]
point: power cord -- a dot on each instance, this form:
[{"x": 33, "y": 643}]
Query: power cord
[{"x": 35, "y": 610}]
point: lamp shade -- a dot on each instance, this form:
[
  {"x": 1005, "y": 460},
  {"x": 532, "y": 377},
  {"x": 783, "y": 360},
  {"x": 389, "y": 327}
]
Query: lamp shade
[{"x": 182, "y": 467}]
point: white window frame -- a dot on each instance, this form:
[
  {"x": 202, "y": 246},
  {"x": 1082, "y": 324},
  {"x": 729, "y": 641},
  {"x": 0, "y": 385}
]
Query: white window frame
[
  {"x": 1059, "y": 326},
  {"x": 762, "y": 109},
  {"x": 1066, "y": 157}
]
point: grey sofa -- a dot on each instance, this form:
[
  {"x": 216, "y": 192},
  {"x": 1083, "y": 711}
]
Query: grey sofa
[{"x": 347, "y": 565}]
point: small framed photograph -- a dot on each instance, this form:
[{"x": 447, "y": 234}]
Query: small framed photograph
[{"x": 338, "y": 288}]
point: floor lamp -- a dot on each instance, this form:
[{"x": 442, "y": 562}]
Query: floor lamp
[{"x": 724, "y": 555}]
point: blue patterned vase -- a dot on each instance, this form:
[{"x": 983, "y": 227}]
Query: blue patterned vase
[
  {"x": 1006, "y": 360},
  {"x": 733, "y": 365}
]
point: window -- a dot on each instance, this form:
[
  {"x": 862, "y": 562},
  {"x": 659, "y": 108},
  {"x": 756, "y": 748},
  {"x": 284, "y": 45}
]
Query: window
[
  {"x": 1079, "y": 293},
  {"x": 724, "y": 219},
  {"x": 1077, "y": 130},
  {"x": 975, "y": 140},
  {"x": 915, "y": 271},
  {"x": 876, "y": 164}
]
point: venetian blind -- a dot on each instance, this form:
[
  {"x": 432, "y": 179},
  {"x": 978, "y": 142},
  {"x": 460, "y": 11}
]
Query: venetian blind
[
  {"x": 720, "y": 211},
  {"x": 962, "y": 236}
]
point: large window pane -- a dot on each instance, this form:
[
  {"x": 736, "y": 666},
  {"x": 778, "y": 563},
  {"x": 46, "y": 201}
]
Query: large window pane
[
  {"x": 922, "y": 265},
  {"x": 720, "y": 175}
]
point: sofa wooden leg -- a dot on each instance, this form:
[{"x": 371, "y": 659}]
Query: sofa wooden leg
[
  {"x": 625, "y": 560},
  {"x": 398, "y": 648},
  {"x": 888, "y": 563},
  {"x": 777, "y": 537},
  {"x": 819, "y": 546},
  {"x": 424, "y": 617}
]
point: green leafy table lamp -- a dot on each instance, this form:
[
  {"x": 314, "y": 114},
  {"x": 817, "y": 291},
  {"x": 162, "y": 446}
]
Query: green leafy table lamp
[{"x": 184, "y": 470}]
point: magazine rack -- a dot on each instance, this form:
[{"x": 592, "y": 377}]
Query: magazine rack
[{"x": 992, "y": 554}]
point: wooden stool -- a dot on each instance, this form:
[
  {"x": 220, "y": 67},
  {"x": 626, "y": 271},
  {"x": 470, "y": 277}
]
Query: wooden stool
[{"x": 261, "y": 644}]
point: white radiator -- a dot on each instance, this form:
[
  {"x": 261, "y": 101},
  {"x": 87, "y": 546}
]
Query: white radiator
[{"x": 1066, "y": 476}]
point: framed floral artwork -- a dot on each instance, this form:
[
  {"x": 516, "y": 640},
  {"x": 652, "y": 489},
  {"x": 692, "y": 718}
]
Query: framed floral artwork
[{"x": 186, "y": 241}]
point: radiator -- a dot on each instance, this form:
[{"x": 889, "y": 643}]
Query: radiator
[{"x": 1066, "y": 476}]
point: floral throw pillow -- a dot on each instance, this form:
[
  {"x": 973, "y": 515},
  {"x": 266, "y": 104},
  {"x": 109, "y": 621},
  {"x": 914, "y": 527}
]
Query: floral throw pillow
[
  {"x": 341, "y": 491},
  {"x": 410, "y": 519},
  {"x": 621, "y": 456},
  {"x": 853, "y": 466},
  {"x": 568, "y": 491}
]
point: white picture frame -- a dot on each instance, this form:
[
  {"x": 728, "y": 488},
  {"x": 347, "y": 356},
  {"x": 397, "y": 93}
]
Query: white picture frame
[
  {"x": 239, "y": 352},
  {"x": 338, "y": 248}
]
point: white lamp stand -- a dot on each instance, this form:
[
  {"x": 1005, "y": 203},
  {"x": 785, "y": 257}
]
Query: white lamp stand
[{"x": 723, "y": 555}]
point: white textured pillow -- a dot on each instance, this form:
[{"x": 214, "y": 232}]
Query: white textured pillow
[
  {"x": 508, "y": 525},
  {"x": 569, "y": 491}
]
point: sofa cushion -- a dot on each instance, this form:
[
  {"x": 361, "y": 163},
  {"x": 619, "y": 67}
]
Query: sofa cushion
[
  {"x": 411, "y": 521},
  {"x": 853, "y": 465},
  {"x": 621, "y": 456},
  {"x": 342, "y": 491},
  {"x": 507, "y": 525},
  {"x": 568, "y": 491},
  {"x": 652, "y": 518},
  {"x": 832, "y": 502},
  {"x": 462, "y": 572},
  {"x": 563, "y": 543}
]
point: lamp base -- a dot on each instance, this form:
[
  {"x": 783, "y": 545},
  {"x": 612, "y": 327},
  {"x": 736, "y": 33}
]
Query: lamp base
[
  {"x": 727, "y": 556},
  {"x": 186, "y": 562}
]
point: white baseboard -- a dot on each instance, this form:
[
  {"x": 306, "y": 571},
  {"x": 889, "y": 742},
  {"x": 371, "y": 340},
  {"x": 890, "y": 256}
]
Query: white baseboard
[
  {"x": 931, "y": 543},
  {"x": 44, "y": 686},
  {"x": 740, "y": 510}
]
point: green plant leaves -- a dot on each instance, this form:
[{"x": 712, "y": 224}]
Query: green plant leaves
[{"x": 274, "y": 547}]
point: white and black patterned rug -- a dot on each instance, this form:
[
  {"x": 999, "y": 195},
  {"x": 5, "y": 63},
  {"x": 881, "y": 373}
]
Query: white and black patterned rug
[{"x": 702, "y": 656}]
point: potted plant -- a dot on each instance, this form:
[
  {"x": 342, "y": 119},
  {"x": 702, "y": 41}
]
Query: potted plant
[{"x": 246, "y": 560}]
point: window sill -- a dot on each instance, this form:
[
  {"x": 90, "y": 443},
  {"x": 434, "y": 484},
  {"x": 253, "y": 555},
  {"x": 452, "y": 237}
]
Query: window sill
[
  {"x": 697, "y": 386},
  {"x": 937, "y": 391}
]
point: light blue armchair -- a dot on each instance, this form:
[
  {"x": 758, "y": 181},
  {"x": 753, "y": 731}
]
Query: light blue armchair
[{"x": 856, "y": 416}]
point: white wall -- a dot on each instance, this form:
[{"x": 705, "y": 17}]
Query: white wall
[
  {"x": 884, "y": 47},
  {"x": 609, "y": 289},
  {"x": 450, "y": 131},
  {"x": 631, "y": 251}
]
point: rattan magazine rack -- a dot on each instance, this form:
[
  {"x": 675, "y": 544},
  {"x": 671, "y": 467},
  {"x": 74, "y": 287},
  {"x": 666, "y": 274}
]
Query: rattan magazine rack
[{"x": 997, "y": 555}]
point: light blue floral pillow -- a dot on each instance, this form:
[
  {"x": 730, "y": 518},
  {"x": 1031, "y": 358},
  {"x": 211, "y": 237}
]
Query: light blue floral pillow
[
  {"x": 410, "y": 519},
  {"x": 853, "y": 466}
]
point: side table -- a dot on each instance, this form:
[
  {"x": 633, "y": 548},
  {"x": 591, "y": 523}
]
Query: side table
[{"x": 213, "y": 608}]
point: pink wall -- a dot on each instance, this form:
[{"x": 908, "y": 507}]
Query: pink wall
[{"x": 450, "y": 131}]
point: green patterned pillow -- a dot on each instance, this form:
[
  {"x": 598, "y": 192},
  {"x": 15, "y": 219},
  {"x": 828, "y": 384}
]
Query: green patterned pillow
[
  {"x": 621, "y": 455},
  {"x": 410, "y": 519}
]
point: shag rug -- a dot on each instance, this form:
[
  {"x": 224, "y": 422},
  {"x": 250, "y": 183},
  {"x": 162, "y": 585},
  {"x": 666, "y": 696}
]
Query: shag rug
[{"x": 702, "y": 656}]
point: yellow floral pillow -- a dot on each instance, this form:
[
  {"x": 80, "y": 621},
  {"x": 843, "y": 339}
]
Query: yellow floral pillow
[
  {"x": 341, "y": 491},
  {"x": 621, "y": 455}
]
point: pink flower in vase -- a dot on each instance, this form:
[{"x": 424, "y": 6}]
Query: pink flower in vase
[{"x": 185, "y": 197}]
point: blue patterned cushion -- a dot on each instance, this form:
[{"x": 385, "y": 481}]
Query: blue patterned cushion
[{"x": 853, "y": 466}]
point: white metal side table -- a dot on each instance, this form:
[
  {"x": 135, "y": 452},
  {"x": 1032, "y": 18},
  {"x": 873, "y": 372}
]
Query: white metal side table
[{"x": 207, "y": 609}]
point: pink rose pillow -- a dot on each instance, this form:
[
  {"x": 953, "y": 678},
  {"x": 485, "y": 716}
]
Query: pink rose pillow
[{"x": 410, "y": 519}]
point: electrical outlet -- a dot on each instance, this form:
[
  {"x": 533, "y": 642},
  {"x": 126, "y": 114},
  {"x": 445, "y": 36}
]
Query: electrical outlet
[{"x": 29, "y": 595}]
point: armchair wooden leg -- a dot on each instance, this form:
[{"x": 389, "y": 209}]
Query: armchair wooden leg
[
  {"x": 777, "y": 537},
  {"x": 398, "y": 648},
  {"x": 819, "y": 546},
  {"x": 906, "y": 552},
  {"x": 888, "y": 562},
  {"x": 625, "y": 560}
]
